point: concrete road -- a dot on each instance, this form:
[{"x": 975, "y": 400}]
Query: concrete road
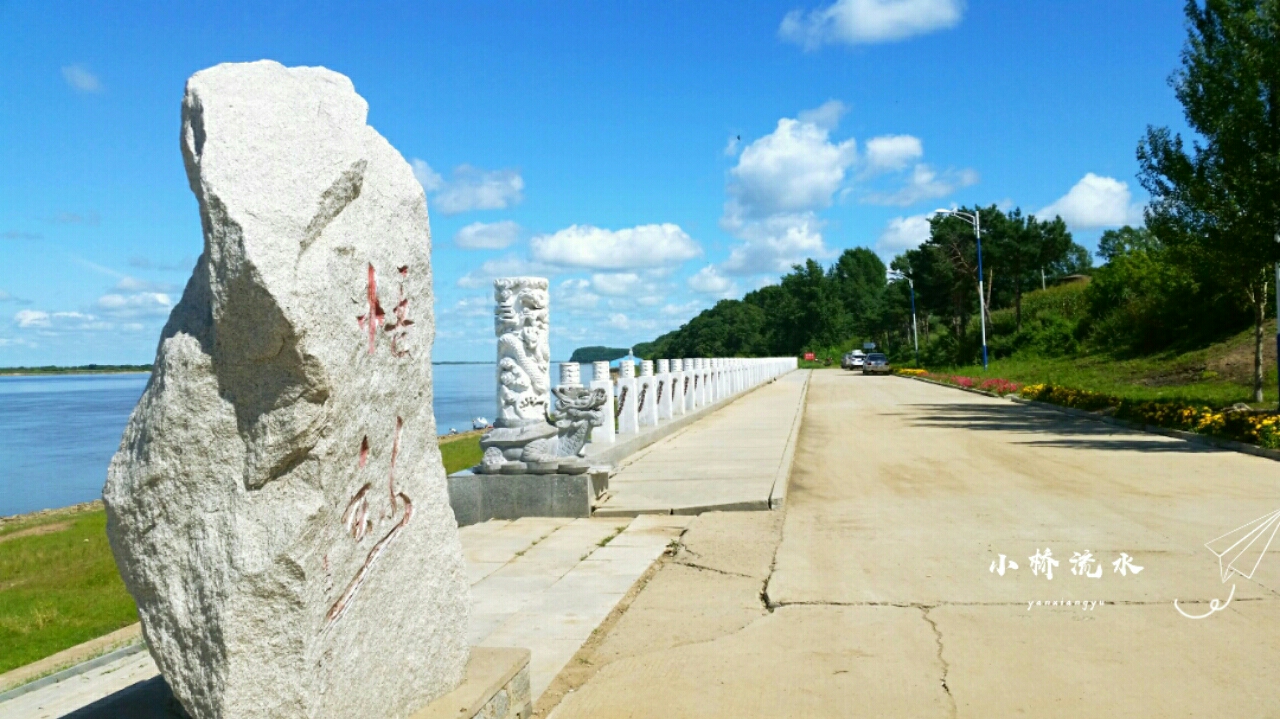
[{"x": 876, "y": 595}]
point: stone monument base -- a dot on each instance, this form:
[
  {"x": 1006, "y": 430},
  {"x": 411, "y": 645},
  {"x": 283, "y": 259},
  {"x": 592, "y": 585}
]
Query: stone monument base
[{"x": 480, "y": 497}]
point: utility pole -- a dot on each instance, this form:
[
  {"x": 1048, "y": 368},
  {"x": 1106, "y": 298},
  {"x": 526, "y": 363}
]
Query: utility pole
[{"x": 1042, "y": 286}]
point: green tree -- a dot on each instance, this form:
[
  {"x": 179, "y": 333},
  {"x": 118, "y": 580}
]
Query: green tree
[
  {"x": 1218, "y": 208},
  {"x": 858, "y": 279},
  {"x": 819, "y": 317},
  {"x": 732, "y": 328},
  {"x": 1019, "y": 247},
  {"x": 1144, "y": 300}
]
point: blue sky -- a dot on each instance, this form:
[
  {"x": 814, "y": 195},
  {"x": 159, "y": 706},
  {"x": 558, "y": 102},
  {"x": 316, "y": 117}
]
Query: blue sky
[{"x": 593, "y": 143}]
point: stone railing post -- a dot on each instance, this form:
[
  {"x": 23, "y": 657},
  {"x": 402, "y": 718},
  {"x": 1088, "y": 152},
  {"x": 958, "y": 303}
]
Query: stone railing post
[
  {"x": 713, "y": 381},
  {"x": 663, "y": 372},
  {"x": 628, "y": 396},
  {"x": 686, "y": 384},
  {"x": 677, "y": 388},
  {"x": 699, "y": 386},
  {"x": 570, "y": 374},
  {"x": 604, "y": 434},
  {"x": 647, "y": 388}
]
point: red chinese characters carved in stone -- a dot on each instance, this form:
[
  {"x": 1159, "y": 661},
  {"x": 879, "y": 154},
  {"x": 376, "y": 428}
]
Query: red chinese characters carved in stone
[
  {"x": 359, "y": 523},
  {"x": 397, "y": 326}
]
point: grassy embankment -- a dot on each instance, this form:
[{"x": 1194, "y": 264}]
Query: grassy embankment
[
  {"x": 1174, "y": 377},
  {"x": 1218, "y": 375},
  {"x": 58, "y": 581}
]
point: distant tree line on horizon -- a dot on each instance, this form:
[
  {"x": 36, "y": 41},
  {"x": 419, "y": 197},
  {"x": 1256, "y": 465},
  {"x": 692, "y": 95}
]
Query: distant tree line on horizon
[
  {"x": 596, "y": 353},
  {"x": 81, "y": 369}
]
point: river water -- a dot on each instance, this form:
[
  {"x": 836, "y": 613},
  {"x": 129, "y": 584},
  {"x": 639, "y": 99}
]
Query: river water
[{"x": 58, "y": 432}]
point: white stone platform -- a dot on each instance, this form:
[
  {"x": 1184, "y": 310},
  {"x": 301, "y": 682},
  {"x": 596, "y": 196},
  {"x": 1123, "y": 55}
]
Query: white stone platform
[{"x": 543, "y": 584}]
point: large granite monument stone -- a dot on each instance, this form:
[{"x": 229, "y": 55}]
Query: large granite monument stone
[{"x": 278, "y": 507}]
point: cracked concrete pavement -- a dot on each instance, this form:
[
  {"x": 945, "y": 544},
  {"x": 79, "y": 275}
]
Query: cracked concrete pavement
[{"x": 875, "y": 595}]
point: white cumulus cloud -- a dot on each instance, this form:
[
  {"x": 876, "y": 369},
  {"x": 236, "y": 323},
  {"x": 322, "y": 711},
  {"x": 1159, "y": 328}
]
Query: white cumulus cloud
[
  {"x": 774, "y": 244},
  {"x": 902, "y": 234},
  {"x": 1096, "y": 202},
  {"x": 487, "y": 235},
  {"x": 427, "y": 177},
  {"x": 892, "y": 152},
  {"x": 138, "y": 304},
  {"x": 709, "y": 281},
  {"x": 470, "y": 188},
  {"x": 505, "y": 266},
  {"x": 686, "y": 310},
  {"x": 619, "y": 321},
  {"x": 826, "y": 116},
  {"x": 626, "y": 249},
  {"x": 795, "y": 168},
  {"x": 924, "y": 183},
  {"x": 80, "y": 79},
  {"x": 575, "y": 295},
  {"x": 618, "y": 284},
  {"x": 44, "y": 322},
  {"x": 31, "y": 318},
  {"x": 868, "y": 21}
]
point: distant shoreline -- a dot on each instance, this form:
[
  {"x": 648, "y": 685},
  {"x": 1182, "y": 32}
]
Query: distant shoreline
[
  {"x": 121, "y": 369},
  {"x": 41, "y": 371}
]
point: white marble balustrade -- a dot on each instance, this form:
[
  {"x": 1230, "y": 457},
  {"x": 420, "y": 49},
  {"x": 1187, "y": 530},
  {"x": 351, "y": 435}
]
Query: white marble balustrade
[{"x": 667, "y": 389}]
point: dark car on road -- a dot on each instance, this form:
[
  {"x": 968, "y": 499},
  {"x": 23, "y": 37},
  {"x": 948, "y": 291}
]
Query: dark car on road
[{"x": 876, "y": 363}]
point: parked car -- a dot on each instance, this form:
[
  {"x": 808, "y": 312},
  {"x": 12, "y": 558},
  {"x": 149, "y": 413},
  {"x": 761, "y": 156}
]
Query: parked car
[
  {"x": 876, "y": 363},
  {"x": 853, "y": 360}
]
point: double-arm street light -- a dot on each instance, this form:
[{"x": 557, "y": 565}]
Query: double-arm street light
[
  {"x": 974, "y": 219},
  {"x": 915, "y": 337}
]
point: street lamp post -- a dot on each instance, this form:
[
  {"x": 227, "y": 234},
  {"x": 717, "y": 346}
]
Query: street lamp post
[
  {"x": 915, "y": 335},
  {"x": 975, "y": 220}
]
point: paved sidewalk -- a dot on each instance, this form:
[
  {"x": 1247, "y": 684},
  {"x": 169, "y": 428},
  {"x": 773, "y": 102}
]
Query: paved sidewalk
[
  {"x": 539, "y": 583},
  {"x": 736, "y": 458},
  {"x": 552, "y": 596}
]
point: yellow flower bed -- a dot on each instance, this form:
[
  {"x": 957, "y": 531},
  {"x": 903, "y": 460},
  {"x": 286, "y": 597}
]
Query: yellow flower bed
[
  {"x": 1262, "y": 430},
  {"x": 910, "y": 372},
  {"x": 1067, "y": 397}
]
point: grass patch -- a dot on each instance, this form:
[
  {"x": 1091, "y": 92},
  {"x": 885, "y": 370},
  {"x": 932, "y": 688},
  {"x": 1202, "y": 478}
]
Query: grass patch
[
  {"x": 58, "y": 588},
  {"x": 461, "y": 452},
  {"x": 610, "y": 538}
]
